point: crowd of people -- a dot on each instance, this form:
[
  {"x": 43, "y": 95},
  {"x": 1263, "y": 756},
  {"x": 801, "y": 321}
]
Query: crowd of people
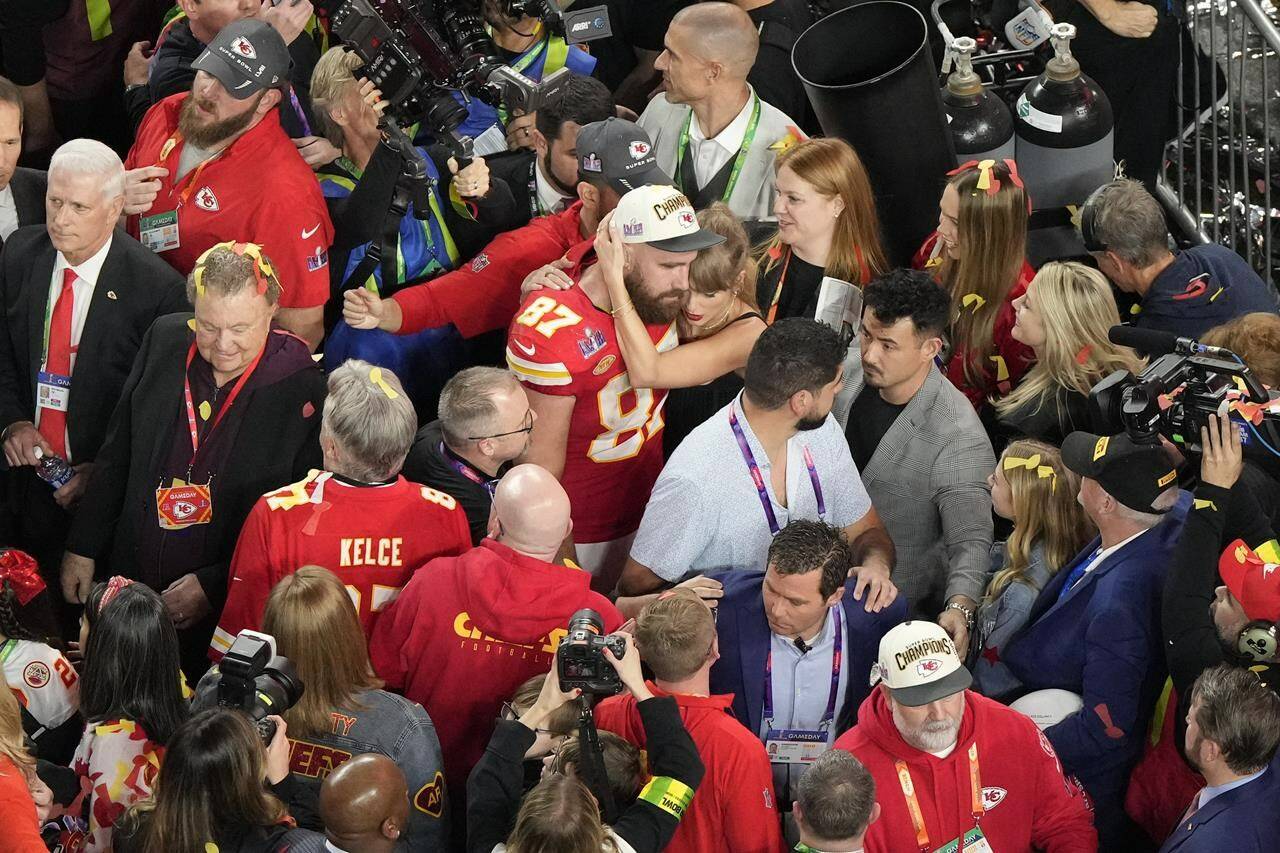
[{"x": 367, "y": 492}]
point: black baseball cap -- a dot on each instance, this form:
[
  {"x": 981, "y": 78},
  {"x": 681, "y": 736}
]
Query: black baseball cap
[
  {"x": 246, "y": 57},
  {"x": 621, "y": 153},
  {"x": 1132, "y": 473}
]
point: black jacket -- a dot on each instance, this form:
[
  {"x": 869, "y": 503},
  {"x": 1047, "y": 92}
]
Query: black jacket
[
  {"x": 134, "y": 288},
  {"x": 494, "y": 789},
  {"x": 29, "y": 187},
  {"x": 277, "y": 444}
]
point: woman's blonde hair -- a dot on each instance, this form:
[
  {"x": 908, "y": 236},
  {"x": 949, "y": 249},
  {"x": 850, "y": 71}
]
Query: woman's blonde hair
[
  {"x": 728, "y": 266},
  {"x": 13, "y": 745},
  {"x": 1077, "y": 309},
  {"x": 833, "y": 168},
  {"x": 315, "y": 625},
  {"x": 559, "y": 816},
  {"x": 329, "y": 80},
  {"x": 1045, "y": 511},
  {"x": 991, "y": 232}
]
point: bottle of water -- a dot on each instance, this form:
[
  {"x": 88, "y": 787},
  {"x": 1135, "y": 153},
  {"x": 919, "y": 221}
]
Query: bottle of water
[{"x": 53, "y": 470}]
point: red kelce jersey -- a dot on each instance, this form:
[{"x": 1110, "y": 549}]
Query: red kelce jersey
[
  {"x": 562, "y": 344},
  {"x": 372, "y": 537}
]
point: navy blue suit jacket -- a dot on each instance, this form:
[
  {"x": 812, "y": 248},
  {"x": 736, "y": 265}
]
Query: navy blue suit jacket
[
  {"x": 1103, "y": 642},
  {"x": 743, "y": 632},
  {"x": 1243, "y": 820}
]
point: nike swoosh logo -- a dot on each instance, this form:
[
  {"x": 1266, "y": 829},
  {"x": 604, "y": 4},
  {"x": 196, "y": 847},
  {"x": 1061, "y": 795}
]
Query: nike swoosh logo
[
  {"x": 242, "y": 85},
  {"x": 524, "y": 349},
  {"x": 306, "y": 233}
]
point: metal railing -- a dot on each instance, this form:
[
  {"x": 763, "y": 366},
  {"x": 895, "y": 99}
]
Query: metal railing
[{"x": 1217, "y": 181}]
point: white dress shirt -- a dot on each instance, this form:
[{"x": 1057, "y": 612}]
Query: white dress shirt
[
  {"x": 8, "y": 213},
  {"x": 550, "y": 199},
  {"x": 710, "y": 155}
]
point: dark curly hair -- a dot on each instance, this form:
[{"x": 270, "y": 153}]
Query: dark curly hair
[
  {"x": 794, "y": 354},
  {"x": 909, "y": 293},
  {"x": 805, "y": 546}
]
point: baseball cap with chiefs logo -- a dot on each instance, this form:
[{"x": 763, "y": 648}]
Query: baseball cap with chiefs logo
[
  {"x": 1133, "y": 473},
  {"x": 1253, "y": 580},
  {"x": 919, "y": 664},
  {"x": 246, "y": 56},
  {"x": 663, "y": 218}
]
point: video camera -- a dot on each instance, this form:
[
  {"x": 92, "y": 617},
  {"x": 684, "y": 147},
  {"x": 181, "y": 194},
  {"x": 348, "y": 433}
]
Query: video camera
[
  {"x": 580, "y": 660},
  {"x": 420, "y": 52},
  {"x": 252, "y": 678},
  {"x": 1178, "y": 391}
]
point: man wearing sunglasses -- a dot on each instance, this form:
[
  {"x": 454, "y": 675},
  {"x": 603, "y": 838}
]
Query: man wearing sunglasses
[{"x": 485, "y": 423}]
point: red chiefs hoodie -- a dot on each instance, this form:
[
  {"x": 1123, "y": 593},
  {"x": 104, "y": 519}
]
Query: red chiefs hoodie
[
  {"x": 466, "y": 631},
  {"x": 1027, "y": 801}
]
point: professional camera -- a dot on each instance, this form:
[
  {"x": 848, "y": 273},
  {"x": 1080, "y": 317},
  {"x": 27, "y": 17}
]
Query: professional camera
[
  {"x": 1178, "y": 391},
  {"x": 580, "y": 660},
  {"x": 253, "y": 678}
]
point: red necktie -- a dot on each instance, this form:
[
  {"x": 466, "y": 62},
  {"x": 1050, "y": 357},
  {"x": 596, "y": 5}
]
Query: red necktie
[{"x": 53, "y": 424}]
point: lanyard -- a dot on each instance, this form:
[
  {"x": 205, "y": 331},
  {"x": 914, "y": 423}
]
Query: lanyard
[
  {"x": 488, "y": 484},
  {"x": 193, "y": 178},
  {"x": 738, "y": 161},
  {"x": 226, "y": 406},
  {"x": 913, "y": 805},
  {"x": 829, "y": 715},
  {"x": 777, "y": 291},
  {"x": 758, "y": 478}
]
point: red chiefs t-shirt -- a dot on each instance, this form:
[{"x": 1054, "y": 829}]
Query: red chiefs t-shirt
[
  {"x": 562, "y": 344},
  {"x": 259, "y": 190},
  {"x": 372, "y": 537}
]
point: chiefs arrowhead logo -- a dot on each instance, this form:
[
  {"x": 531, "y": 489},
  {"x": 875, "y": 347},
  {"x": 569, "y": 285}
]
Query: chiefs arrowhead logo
[
  {"x": 182, "y": 509},
  {"x": 206, "y": 200},
  {"x": 688, "y": 219},
  {"x": 430, "y": 797},
  {"x": 241, "y": 46},
  {"x": 992, "y": 797},
  {"x": 639, "y": 149},
  {"x": 928, "y": 667}
]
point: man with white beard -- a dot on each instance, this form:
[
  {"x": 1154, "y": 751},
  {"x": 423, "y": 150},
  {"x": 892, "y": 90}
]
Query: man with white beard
[{"x": 954, "y": 769}]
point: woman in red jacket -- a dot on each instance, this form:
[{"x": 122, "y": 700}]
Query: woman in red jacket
[
  {"x": 978, "y": 254},
  {"x": 18, "y": 783}
]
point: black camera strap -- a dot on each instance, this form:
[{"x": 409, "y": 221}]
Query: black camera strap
[{"x": 591, "y": 762}]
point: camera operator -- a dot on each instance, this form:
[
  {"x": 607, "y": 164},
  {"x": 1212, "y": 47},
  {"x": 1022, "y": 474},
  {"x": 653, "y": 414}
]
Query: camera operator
[
  {"x": 342, "y": 712},
  {"x": 205, "y": 798},
  {"x": 561, "y": 813}
]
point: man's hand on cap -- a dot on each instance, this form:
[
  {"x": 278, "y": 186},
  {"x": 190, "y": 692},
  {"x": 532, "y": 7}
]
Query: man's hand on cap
[
  {"x": 289, "y": 18},
  {"x": 141, "y": 186}
]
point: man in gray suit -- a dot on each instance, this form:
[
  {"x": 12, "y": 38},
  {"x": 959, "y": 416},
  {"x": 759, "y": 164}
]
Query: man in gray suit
[
  {"x": 21, "y": 190},
  {"x": 712, "y": 132},
  {"x": 922, "y": 451}
]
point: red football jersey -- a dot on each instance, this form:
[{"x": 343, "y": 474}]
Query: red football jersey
[
  {"x": 372, "y": 537},
  {"x": 560, "y": 343}
]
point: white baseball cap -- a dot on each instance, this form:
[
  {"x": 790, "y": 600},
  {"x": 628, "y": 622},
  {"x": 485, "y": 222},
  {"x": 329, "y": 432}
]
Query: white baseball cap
[
  {"x": 663, "y": 218},
  {"x": 918, "y": 662}
]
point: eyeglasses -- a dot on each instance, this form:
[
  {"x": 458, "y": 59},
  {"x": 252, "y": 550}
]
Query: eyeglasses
[{"x": 528, "y": 427}]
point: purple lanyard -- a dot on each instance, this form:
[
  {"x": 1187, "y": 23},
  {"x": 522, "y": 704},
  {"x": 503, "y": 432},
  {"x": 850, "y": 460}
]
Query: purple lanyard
[
  {"x": 830, "y": 714},
  {"x": 467, "y": 471},
  {"x": 758, "y": 478}
]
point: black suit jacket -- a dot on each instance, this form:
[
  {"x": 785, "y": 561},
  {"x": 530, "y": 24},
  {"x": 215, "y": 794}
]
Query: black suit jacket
[
  {"x": 134, "y": 288},
  {"x": 28, "y": 187},
  {"x": 277, "y": 444}
]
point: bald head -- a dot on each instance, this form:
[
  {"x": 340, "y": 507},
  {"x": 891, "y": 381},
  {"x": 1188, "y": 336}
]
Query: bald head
[
  {"x": 365, "y": 803},
  {"x": 532, "y": 510},
  {"x": 718, "y": 32}
]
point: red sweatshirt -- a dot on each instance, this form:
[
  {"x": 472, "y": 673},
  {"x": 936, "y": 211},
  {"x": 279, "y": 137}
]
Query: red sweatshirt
[
  {"x": 17, "y": 812},
  {"x": 483, "y": 295},
  {"x": 466, "y": 631},
  {"x": 1028, "y": 803},
  {"x": 735, "y": 808}
]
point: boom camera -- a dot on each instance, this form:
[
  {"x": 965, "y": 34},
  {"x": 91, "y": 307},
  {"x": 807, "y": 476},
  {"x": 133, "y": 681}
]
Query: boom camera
[
  {"x": 254, "y": 679},
  {"x": 580, "y": 660}
]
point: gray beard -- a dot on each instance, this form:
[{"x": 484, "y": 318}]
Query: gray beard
[{"x": 933, "y": 737}]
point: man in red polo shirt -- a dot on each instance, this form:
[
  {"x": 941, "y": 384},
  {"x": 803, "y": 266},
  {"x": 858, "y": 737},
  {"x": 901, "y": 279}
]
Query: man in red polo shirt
[
  {"x": 735, "y": 808},
  {"x": 214, "y": 165}
]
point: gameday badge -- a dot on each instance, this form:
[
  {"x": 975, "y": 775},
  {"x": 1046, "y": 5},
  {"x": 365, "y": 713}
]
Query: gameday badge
[{"x": 180, "y": 507}]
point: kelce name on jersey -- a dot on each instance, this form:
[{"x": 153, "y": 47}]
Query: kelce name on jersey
[{"x": 371, "y": 552}]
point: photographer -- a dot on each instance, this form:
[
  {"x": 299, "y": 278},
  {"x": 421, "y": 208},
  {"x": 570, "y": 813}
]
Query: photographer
[
  {"x": 561, "y": 813},
  {"x": 205, "y": 799}
]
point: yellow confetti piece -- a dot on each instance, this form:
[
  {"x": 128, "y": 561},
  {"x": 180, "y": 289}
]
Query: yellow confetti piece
[
  {"x": 1002, "y": 369},
  {"x": 375, "y": 376},
  {"x": 1203, "y": 504},
  {"x": 1135, "y": 310},
  {"x": 191, "y": 324},
  {"x": 973, "y": 300},
  {"x": 205, "y": 410}
]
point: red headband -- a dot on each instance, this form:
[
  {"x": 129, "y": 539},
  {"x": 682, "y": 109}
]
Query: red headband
[
  {"x": 21, "y": 572},
  {"x": 114, "y": 585}
]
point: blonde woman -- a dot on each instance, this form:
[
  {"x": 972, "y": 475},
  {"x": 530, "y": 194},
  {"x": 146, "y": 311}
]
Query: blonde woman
[
  {"x": 978, "y": 255},
  {"x": 20, "y": 788},
  {"x": 1063, "y": 317},
  {"x": 1032, "y": 488}
]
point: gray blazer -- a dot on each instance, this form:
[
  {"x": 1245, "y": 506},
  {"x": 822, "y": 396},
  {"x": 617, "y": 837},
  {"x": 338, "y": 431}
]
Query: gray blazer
[
  {"x": 753, "y": 195},
  {"x": 928, "y": 481}
]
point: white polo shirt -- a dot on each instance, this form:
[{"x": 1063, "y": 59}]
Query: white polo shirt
[{"x": 705, "y": 514}]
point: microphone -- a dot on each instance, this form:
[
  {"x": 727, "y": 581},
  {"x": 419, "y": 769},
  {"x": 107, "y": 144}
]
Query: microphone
[
  {"x": 802, "y": 645},
  {"x": 1154, "y": 342}
]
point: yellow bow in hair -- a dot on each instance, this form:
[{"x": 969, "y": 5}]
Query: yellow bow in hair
[
  {"x": 974, "y": 300},
  {"x": 987, "y": 181},
  {"x": 1032, "y": 463},
  {"x": 375, "y": 376}
]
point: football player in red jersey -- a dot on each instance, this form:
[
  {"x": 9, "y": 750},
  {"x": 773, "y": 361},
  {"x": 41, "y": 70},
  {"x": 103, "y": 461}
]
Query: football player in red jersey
[
  {"x": 596, "y": 432},
  {"x": 358, "y": 518}
]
